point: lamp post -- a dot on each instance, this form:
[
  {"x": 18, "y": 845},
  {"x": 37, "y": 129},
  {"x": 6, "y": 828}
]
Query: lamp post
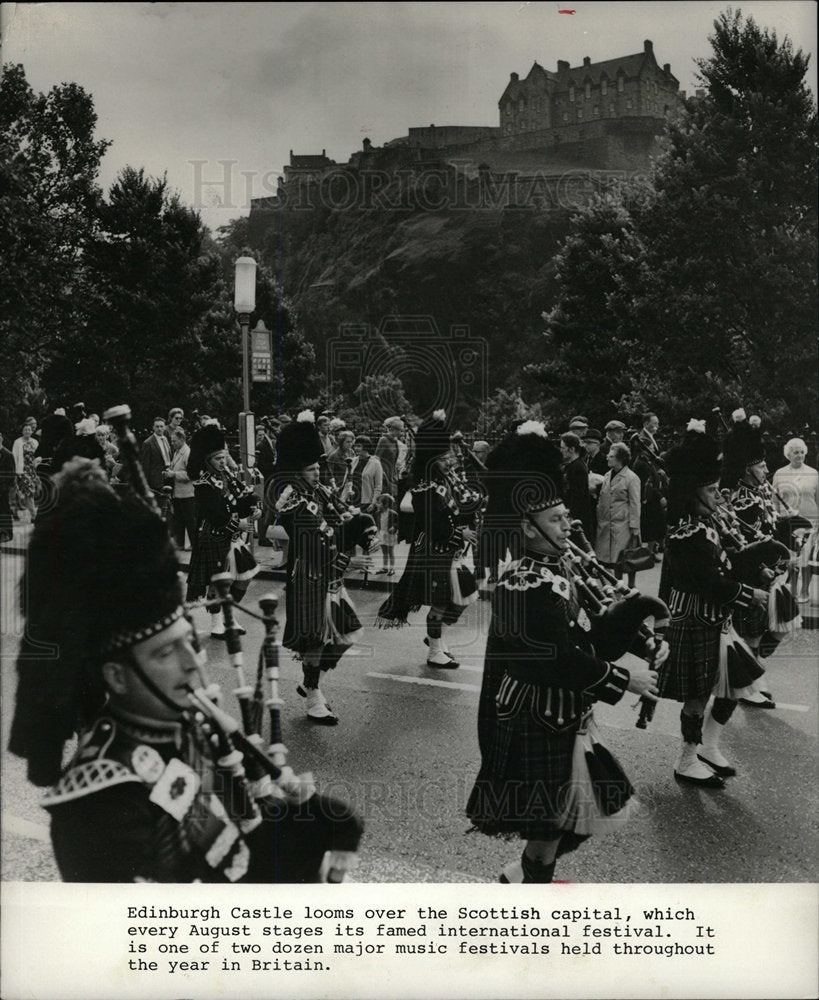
[{"x": 244, "y": 302}]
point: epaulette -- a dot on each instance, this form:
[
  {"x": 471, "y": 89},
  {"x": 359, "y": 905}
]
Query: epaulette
[
  {"x": 91, "y": 770},
  {"x": 746, "y": 501},
  {"x": 289, "y": 500},
  {"x": 526, "y": 574},
  {"x": 689, "y": 528}
]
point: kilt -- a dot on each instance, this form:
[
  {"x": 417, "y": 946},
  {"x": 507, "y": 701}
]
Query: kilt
[
  {"x": 693, "y": 660},
  {"x": 524, "y": 782},
  {"x": 209, "y": 556},
  {"x": 307, "y": 626}
]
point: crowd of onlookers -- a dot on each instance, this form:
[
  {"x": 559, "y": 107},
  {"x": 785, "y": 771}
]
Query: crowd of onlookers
[{"x": 615, "y": 480}]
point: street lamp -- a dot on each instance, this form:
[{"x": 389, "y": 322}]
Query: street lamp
[{"x": 244, "y": 302}]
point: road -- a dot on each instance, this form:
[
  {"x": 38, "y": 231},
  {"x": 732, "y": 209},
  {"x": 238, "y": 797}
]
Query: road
[{"x": 405, "y": 754}]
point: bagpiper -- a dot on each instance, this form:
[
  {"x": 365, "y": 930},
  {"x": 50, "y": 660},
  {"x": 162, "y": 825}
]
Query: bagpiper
[
  {"x": 545, "y": 775},
  {"x": 322, "y": 622},
  {"x": 110, "y": 656},
  {"x": 226, "y": 511},
  {"x": 707, "y": 657},
  {"x": 440, "y": 572}
]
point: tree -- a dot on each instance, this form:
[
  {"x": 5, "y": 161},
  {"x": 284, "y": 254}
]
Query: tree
[
  {"x": 49, "y": 163},
  {"x": 731, "y": 232},
  {"x": 702, "y": 288}
]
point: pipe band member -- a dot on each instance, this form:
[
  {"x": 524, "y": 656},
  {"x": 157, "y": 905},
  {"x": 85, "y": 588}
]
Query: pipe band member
[
  {"x": 439, "y": 573},
  {"x": 544, "y": 774},
  {"x": 321, "y": 619},
  {"x": 110, "y": 655},
  {"x": 706, "y": 654},
  {"x": 226, "y": 510},
  {"x": 745, "y": 472}
]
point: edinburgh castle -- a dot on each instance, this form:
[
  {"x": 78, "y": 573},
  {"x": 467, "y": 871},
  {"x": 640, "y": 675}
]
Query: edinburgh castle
[{"x": 593, "y": 120}]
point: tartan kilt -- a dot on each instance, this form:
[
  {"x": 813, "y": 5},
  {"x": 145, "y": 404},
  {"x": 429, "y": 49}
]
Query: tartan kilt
[
  {"x": 209, "y": 556},
  {"x": 306, "y": 626},
  {"x": 693, "y": 660},
  {"x": 425, "y": 582},
  {"x": 524, "y": 782}
]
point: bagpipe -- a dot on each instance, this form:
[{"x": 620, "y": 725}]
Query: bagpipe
[
  {"x": 305, "y": 835},
  {"x": 618, "y": 614},
  {"x": 762, "y": 562},
  {"x": 352, "y": 526},
  {"x": 296, "y": 834}
]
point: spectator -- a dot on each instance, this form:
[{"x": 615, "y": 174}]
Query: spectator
[
  {"x": 366, "y": 474},
  {"x": 25, "y": 465},
  {"x": 579, "y": 426},
  {"x": 595, "y": 457},
  {"x": 266, "y": 442},
  {"x": 110, "y": 450},
  {"x": 8, "y": 471},
  {"x": 339, "y": 459},
  {"x": 183, "y": 511},
  {"x": 82, "y": 444},
  {"x": 323, "y": 428},
  {"x": 615, "y": 432},
  {"x": 618, "y": 509},
  {"x": 648, "y": 466},
  {"x": 387, "y": 452},
  {"x": 176, "y": 416},
  {"x": 56, "y": 428},
  {"x": 798, "y": 485},
  {"x": 577, "y": 480},
  {"x": 387, "y": 520},
  {"x": 156, "y": 460}
]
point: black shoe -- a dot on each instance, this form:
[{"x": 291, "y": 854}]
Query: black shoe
[
  {"x": 450, "y": 665},
  {"x": 265, "y": 543},
  {"x": 714, "y": 781},
  {"x": 724, "y": 771}
]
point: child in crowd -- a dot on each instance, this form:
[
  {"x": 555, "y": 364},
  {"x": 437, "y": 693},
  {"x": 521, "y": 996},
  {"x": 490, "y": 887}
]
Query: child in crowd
[{"x": 387, "y": 521}]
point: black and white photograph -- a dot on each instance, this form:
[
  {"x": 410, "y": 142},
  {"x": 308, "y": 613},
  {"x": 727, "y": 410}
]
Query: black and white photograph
[{"x": 409, "y": 506}]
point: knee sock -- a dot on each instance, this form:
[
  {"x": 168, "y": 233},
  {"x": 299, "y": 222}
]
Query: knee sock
[
  {"x": 536, "y": 871},
  {"x": 311, "y": 676}
]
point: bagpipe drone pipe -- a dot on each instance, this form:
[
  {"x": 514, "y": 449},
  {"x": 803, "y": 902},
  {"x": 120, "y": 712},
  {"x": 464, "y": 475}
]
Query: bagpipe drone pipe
[{"x": 618, "y": 614}]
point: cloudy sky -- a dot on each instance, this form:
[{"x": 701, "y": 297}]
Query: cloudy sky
[{"x": 183, "y": 87}]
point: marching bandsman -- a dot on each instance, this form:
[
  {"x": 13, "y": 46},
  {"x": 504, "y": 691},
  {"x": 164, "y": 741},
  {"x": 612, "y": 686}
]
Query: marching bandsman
[
  {"x": 439, "y": 573},
  {"x": 226, "y": 510},
  {"x": 745, "y": 471},
  {"x": 110, "y": 655},
  {"x": 706, "y": 656},
  {"x": 321, "y": 619},
  {"x": 539, "y": 747}
]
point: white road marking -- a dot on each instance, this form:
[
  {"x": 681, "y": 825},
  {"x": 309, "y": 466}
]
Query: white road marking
[
  {"x": 431, "y": 682},
  {"x": 791, "y": 708},
  {"x": 24, "y": 827}
]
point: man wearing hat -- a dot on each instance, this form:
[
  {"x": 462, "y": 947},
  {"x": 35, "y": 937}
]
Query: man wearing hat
[
  {"x": 707, "y": 657},
  {"x": 542, "y": 675},
  {"x": 745, "y": 472},
  {"x": 266, "y": 463},
  {"x": 615, "y": 432},
  {"x": 578, "y": 426},
  {"x": 227, "y": 510},
  {"x": 595, "y": 456},
  {"x": 109, "y": 654},
  {"x": 439, "y": 573},
  {"x": 321, "y": 619}
]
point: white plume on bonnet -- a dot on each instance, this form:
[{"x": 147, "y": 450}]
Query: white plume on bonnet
[
  {"x": 738, "y": 415},
  {"x": 439, "y": 415},
  {"x": 532, "y": 427},
  {"x": 755, "y": 421},
  {"x": 306, "y": 417},
  {"x": 696, "y": 425}
]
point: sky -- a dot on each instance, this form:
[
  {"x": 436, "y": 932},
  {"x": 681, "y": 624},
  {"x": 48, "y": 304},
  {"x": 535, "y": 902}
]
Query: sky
[{"x": 217, "y": 94}]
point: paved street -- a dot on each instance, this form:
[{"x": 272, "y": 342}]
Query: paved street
[{"x": 406, "y": 754}]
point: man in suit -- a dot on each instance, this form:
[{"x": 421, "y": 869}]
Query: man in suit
[
  {"x": 156, "y": 460},
  {"x": 266, "y": 464},
  {"x": 7, "y": 480},
  {"x": 576, "y": 476}
]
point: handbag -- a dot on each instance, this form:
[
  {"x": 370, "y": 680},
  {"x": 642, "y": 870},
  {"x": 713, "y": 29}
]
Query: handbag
[{"x": 638, "y": 558}]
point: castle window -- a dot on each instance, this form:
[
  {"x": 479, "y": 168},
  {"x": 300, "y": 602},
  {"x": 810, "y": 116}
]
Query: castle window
[
  {"x": 588, "y": 91},
  {"x": 597, "y": 110},
  {"x": 620, "y": 84},
  {"x": 604, "y": 87},
  {"x": 655, "y": 88},
  {"x": 580, "y": 114},
  {"x": 571, "y": 95},
  {"x": 565, "y": 116},
  {"x": 628, "y": 104},
  {"x": 611, "y": 109}
]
